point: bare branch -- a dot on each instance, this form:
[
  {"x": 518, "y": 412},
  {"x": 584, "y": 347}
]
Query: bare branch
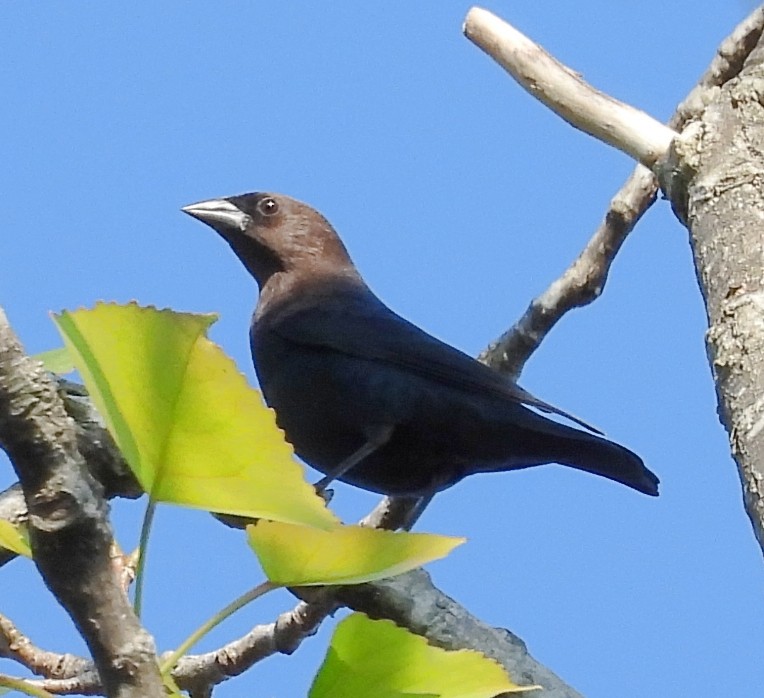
[
  {"x": 433, "y": 614},
  {"x": 581, "y": 283},
  {"x": 104, "y": 460},
  {"x": 66, "y": 673},
  {"x": 584, "y": 280},
  {"x": 53, "y": 665},
  {"x": 414, "y": 603},
  {"x": 566, "y": 93},
  {"x": 727, "y": 63},
  {"x": 87, "y": 684},
  {"x": 69, "y": 532},
  {"x": 196, "y": 673},
  {"x": 711, "y": 173}
]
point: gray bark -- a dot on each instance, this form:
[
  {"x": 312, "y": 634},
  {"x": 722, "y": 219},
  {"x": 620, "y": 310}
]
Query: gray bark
[
  {"x": 68, "y": 526},
  {"x": 714, "y": 179}
]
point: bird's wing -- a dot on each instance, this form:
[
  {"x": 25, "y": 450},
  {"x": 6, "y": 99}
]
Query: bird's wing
[{"x": 366, "y": 328}]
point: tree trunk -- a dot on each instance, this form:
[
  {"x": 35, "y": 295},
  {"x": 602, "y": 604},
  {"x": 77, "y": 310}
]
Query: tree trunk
[{"x": 717, "y": 191}]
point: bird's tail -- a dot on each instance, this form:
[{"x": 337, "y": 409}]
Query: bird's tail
[
  {"x": 602, "y": 457},
  {"x": 542, "y": 440}
]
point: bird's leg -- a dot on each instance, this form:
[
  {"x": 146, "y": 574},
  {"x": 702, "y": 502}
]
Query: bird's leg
[
  {"x": 377, "y": 437},
  {"x": 418, "y": 509}
]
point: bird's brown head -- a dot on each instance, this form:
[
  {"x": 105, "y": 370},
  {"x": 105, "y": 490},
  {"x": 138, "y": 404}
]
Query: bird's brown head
[{"x": 272, "y": 233}]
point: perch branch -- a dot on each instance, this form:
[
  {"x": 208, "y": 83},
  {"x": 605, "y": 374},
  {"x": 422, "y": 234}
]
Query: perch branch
[{"x": 445, "y": 619}]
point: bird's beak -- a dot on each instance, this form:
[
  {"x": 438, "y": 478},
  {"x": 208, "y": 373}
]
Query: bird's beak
[{"x": 218, "y": 213}]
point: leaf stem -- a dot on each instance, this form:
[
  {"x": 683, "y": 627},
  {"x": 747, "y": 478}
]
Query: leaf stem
[
  {"x": 23, "y": 686},
  {"x": 148, "y": 520},
  {"x": 169, "y": 664}
]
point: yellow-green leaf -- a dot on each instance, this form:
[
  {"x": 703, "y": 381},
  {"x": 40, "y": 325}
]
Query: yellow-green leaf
[
  {"x": 297, "y": 556},
  {"x": 14, "y": 538},
  {"x": 187, "y": 422},
  {"x": 377, "y": 659},
  {"x": 56, "y": 360}
]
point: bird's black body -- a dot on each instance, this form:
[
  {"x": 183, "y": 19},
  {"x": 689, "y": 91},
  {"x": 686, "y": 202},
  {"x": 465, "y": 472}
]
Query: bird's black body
[{"x": 341, "y": 369}]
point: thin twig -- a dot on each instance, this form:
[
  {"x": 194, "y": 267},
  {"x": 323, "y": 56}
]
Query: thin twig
[
  {"x": 53, "y": 665},
  {"x": 580, "y": 284}
]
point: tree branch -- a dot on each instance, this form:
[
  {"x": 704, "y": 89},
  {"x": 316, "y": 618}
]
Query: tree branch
[
  {"x": 712, "y": 174},
  {"x": 104, "y": 460},
  {"x": 580, "y": 284},
  {"x": 197, "y": 673},
  {"x": 18, "y": 647},
  {"x": 433, "y": 614},
  {"x": 69, "y": 532},
  {"x": 585, "y": 279},
  {"x": 566, "y": 93},
  {"x": 67, "y": 673},
  {"x": 413, "y": 602}
]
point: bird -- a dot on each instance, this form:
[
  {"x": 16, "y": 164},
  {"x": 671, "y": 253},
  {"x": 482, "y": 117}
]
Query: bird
[{"x": 365, "y": 396}]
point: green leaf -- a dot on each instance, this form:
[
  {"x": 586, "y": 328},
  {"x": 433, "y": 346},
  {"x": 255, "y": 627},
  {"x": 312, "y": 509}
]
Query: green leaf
[
  {"x": 191, "y": 429},
  {"x": 297, "y": 556},
  {"x": 14, "y": 538},
  {"x": 377, "y": 659},
  {"x": 56, "y": 360}
]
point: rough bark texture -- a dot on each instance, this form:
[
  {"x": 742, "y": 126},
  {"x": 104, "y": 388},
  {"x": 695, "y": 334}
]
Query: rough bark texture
[
  {"x": 68, "y": 527},
  {"x": 414, "y": 603},
  {"x": 715, "y": 181},
  {"x": 104, "y": 461}
]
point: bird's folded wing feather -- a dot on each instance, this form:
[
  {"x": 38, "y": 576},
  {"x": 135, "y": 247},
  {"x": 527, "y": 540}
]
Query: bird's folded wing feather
[{"x": 348, "y": 327}]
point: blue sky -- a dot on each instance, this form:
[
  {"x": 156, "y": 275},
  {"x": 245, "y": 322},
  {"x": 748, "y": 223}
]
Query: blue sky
[{"x": 460, "y": 198}]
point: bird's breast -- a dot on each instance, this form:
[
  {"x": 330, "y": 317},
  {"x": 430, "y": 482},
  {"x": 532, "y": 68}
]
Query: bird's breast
[{"x": 322, "y": 399}]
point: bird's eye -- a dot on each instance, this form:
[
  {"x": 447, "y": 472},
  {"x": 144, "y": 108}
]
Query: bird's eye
[{"x": 268, "y": 207}]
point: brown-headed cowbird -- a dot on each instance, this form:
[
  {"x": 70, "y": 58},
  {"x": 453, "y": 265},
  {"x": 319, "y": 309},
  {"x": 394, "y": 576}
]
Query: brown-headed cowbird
[{"x": 364, "y": 395}]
